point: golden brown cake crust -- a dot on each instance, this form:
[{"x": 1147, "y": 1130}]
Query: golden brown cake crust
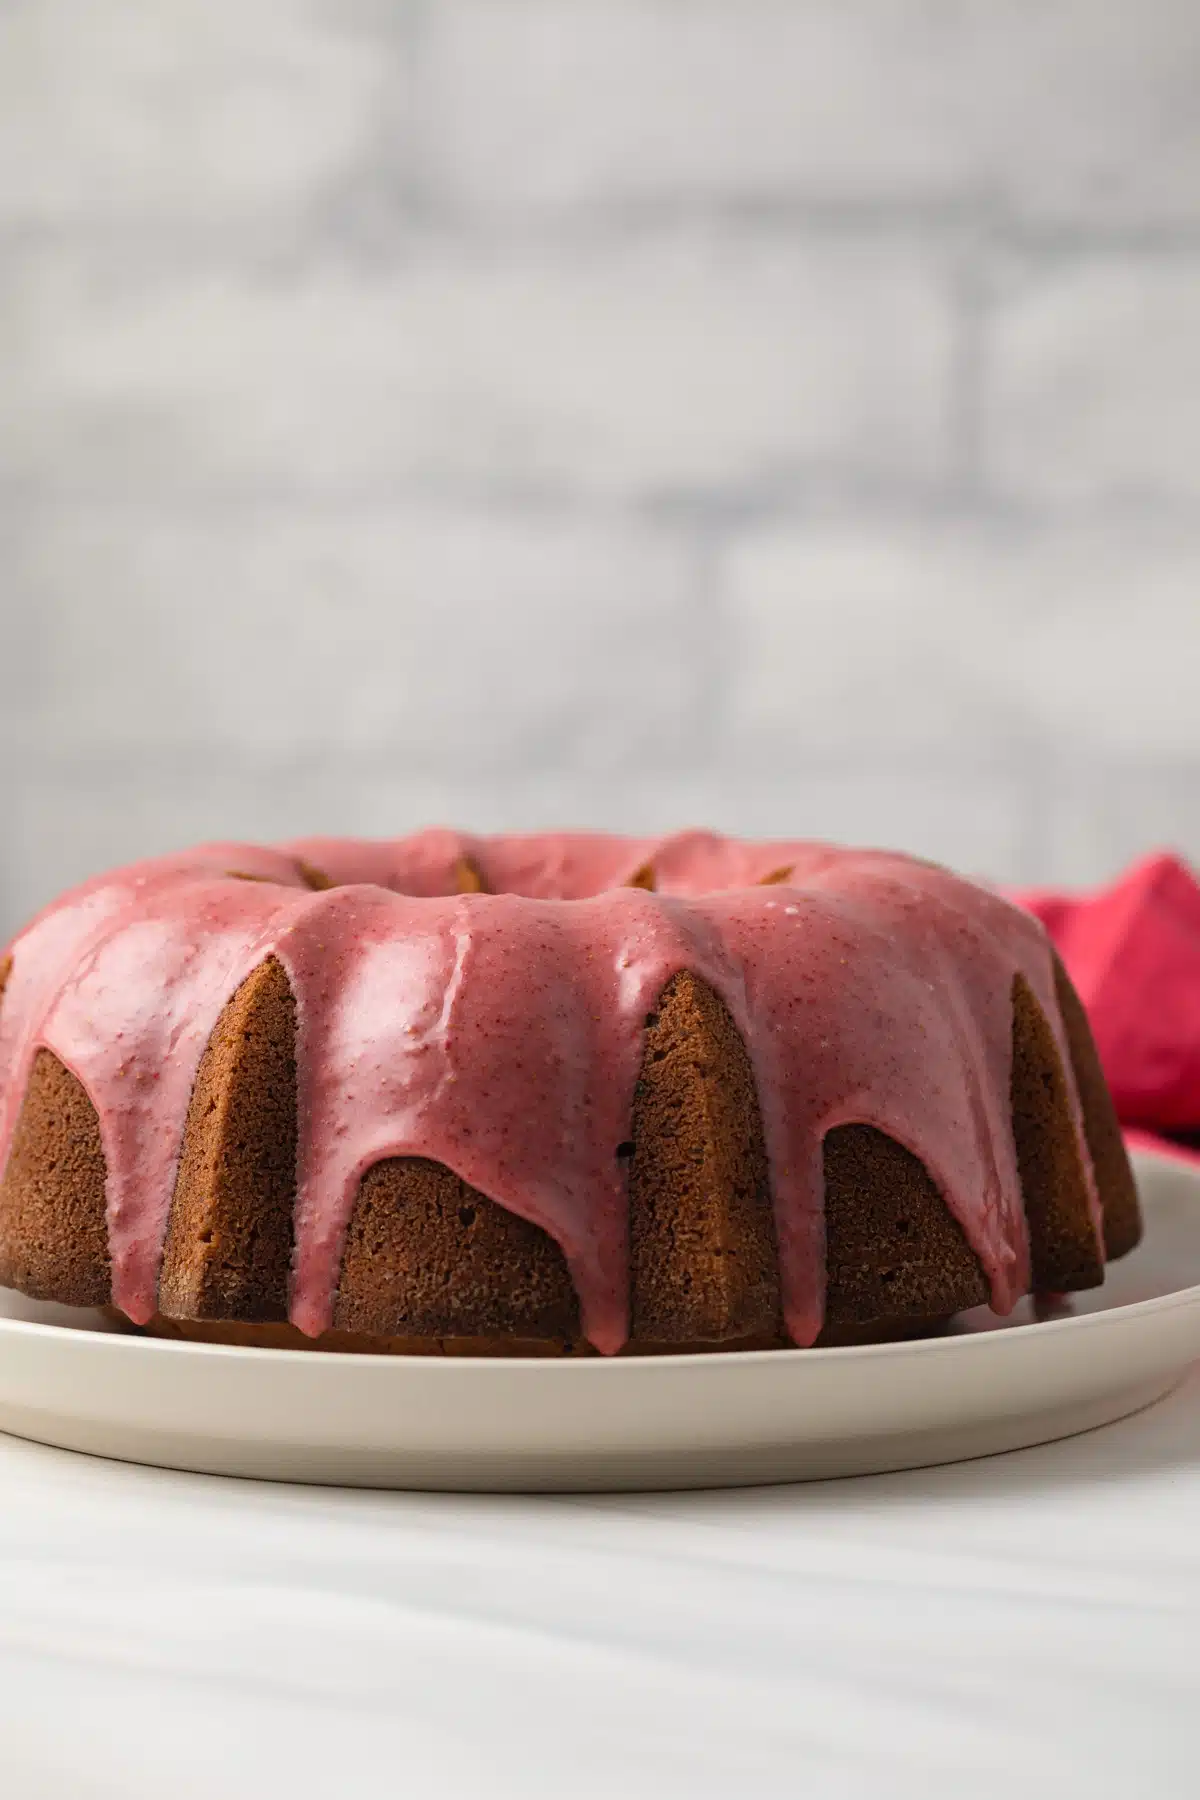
[
  {"x": 892, "y": 1248},
  {"x": 228, "y": 1247},
  {"x": 1119, "y": 1202},
  {"x": 703, "y": 1264},
  {"x": 272, "y": 1336},
  {"x": 1064, "y": 1249},
  {"x": 427, "y": 1256},
  {"x": 276, "y": 1335},
  {"x": 53, "y": 1221}
]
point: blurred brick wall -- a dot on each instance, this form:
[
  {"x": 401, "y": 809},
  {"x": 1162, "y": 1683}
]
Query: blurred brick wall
[{"x": 778, "y": 415}]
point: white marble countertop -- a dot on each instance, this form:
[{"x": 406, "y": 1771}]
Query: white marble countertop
[{"x": 1029, "y": 1620}]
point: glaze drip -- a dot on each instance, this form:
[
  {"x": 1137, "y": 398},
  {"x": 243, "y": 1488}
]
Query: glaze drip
[{"x": 495, "y": 1025}]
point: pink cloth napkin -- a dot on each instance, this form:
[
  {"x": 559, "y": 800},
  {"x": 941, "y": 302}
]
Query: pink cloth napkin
[{"x": 1133, "y": 952}]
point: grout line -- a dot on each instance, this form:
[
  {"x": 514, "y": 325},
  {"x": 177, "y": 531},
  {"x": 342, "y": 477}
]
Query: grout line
[
  {"x": 414, "y": 210},
  {"x": 811, "y": 500},
  {"x": 1028, "y": 761}
]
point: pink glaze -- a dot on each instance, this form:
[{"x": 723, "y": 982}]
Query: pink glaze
[{"x": 500, "y": 1032}]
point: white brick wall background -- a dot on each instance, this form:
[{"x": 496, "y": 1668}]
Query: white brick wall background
[{"x": 779, "y": 414}]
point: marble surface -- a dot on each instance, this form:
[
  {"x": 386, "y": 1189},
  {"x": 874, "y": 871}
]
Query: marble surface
[{"x": 1024, "y": 1623}]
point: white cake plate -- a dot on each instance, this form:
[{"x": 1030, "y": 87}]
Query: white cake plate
[{"x": 67, "y": 1378}]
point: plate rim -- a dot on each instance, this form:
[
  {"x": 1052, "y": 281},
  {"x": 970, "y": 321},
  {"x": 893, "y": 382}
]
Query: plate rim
[{"x": 585, "y": 1368}]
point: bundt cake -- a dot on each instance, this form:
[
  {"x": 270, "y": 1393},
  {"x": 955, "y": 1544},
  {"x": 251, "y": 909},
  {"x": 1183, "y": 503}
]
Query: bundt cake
[{"x": 548, "y": 1094}]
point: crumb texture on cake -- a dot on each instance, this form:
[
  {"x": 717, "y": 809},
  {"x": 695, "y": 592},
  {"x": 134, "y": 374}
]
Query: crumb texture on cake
[
  {"x": 228, "y": 1247},
  {"x": 548, "y": 1095}
]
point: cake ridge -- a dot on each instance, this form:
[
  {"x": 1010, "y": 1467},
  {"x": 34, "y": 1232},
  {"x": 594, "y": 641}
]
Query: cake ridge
[{"x": 500, "y": 1032}]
